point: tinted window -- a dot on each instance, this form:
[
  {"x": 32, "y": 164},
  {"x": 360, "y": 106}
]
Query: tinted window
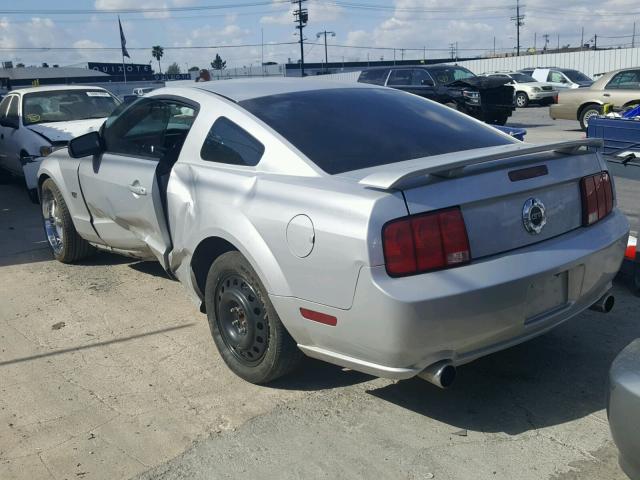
[
  {"x": 623, "y": 80},
  {"x": 444, "y": 75},
  {"x": 352, "y": 128},
  {"x": 66, "y": 105},
  {"x": 399, "y": 77},
  {"x": 373, "y": 76},
  {"x": 226, "y": 142},
  {"x": 522, "y": 78},
  {"x": 149, "y": 128},
  {"x": 420, "y": 77},
  {"x": 576, "y": 76}
]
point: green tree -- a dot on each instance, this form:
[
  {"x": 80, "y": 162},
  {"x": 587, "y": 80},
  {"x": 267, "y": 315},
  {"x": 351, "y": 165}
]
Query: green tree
[
  {"x": 218, "y": 63},
  {"x": 157, "y": 52},
  {"x": 194, "y": 69},
  {"x": 173, "y": 69}
]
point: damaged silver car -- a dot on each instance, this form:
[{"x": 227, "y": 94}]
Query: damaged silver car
[{"x": 356, "y": 224}]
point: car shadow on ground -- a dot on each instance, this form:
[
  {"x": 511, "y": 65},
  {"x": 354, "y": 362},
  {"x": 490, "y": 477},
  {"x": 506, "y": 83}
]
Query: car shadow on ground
[
  {"x": 313, "y": 375},
  {"x": 556, "y": 378}
]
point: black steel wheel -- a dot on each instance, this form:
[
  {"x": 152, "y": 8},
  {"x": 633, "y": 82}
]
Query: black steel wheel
[
  {"x": 245, "y": 327},
  {"x": 241, "y": 320}
]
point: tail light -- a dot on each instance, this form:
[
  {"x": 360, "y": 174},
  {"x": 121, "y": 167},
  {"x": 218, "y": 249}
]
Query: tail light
[
  {"x": 597, "y": 197},
  {"x": 425, "y": 242}
]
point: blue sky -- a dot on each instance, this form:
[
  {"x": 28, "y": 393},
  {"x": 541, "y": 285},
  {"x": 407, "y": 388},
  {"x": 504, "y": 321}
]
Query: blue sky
[{"x": 403, "y": 24}]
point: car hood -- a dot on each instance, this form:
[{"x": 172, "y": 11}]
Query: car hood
[
  {"x": 479, "y": 82},
  {"x": 64, "y": 131}
]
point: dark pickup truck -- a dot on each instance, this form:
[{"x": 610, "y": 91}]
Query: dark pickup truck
[{"x": 486, "y": 98}]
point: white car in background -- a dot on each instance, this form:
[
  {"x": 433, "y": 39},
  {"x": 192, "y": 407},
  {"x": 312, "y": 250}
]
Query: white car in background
[
  {"x": 36, "y": 121},
  {"x": 528, "y": 89},
  {"x": 560, "y": 78}
]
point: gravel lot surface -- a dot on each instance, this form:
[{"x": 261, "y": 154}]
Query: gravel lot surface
[{"x": 107, "y": 371}]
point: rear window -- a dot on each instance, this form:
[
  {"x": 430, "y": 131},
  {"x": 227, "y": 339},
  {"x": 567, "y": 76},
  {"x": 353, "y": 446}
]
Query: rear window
[{"x": 348, "y": 129}]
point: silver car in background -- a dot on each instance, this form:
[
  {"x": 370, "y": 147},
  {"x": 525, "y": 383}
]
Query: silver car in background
[
  {"x": 623, "y": 407},
  {"x": 357, "y": 224}
]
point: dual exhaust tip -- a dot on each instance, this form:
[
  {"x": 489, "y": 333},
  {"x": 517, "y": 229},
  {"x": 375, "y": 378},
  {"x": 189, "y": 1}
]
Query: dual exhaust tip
[
  {"x": 604, "y": 304},
  {"x": 442, "y": 374}
]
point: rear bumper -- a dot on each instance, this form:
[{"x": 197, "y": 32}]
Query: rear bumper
[
  {"x": 563, "y": 111},
  {"x": 398, "y": 326}
]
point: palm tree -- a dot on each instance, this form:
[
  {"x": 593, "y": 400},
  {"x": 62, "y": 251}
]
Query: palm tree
[{"x": 157, "y": 52}]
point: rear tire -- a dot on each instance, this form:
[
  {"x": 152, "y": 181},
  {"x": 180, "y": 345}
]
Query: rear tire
[
  {"x": 67, "y": 246},
  {"x": 522, "y": 100},
  {"x": 245, "y": 327},
  {"x": 588, "y": 112}
]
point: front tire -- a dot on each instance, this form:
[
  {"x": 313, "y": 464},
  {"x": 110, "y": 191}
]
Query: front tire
[
  {"x": 587, "y": 113},
  {"x": 66, "y": 244},
  {"x": 522, "y": 100},
  {"x": 245, "y": 327}
]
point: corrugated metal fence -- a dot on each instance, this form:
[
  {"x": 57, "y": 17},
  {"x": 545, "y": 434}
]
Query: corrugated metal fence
[{"x": 590, "y": 62}]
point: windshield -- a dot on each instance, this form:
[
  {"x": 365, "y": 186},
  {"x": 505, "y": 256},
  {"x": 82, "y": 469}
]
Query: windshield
[
  {"x": 348, "y": 129},
  {"x": 450, "y": 74},
  {"x": 522, "y": 78},
  {"x": 576, "y": 76},
  {"x": 66, "y": 105}
]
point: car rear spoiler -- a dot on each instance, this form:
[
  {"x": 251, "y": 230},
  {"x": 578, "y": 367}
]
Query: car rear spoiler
[{"x": 401, "y": 174}]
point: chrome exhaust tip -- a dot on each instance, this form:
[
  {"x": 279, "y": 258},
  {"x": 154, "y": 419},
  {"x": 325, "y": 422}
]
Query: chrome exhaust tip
[
  {"x": 441, "y": 374},
  {"x": 604, "y": 304}
]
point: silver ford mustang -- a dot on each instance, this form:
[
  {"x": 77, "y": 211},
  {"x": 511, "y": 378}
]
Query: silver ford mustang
[{"x": 360, "y": 225}]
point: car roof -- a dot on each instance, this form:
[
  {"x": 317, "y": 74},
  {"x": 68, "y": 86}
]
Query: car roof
[
  {"x": 249, "y": 88},
  {"x": 53, "y": 88}
]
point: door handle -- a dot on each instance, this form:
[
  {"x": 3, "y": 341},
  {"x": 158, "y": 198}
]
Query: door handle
[
  {"x": 606, "y": 94},
  {"x": 138, "y": 189}
]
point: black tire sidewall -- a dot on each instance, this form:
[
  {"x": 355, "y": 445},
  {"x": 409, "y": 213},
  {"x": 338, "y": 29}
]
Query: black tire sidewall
[
  {"x": 526, "y": 100},
  {"x": 270, "y": 367}
]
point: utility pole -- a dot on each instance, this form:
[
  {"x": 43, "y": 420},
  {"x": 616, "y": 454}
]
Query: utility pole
[
  {"x": 394, "y": 56},
  {"x": 424, "y": 54},
  {"x": 633, "y": 37},
  {"x": 494, "y": 46},
  {"x": 262, "y": 50},
  {"x": 535, "y": 41},
  {"x": 452, "y": 50},
  {"x": 301, "y": 17},
  {"x": 326, "y": 57},
  {"x": 582, "y": 39},
  {"x": 558, "y": 42},
  {"x": 546, "y": 41},
  {"x": 519, "y": 19},
  {"x": 595, "y": 41},
  {"x": 402, "y": 54}
]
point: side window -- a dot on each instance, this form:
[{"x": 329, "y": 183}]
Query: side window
[
  {"x": 400, "y": 77},
  {"x": 4, "y": 105},
  {"x": 373, "y": 76},
  {"x": 556, "y": 77},
  {"x": 13, "y": 107},
  {"x": 421, "y": 77},
  {"x": 625, "y": 81},
  {"x": 226, "y": 142},
  {"x": 150, "y": 128}
]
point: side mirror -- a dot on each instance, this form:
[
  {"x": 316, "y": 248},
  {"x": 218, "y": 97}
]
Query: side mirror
[
  {"x": 427, "y": 82},
  {"x": 10, "y": 122},
  {"x": 86, "y": 145}
]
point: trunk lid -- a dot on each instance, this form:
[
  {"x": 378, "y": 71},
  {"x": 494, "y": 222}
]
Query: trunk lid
[
  {"x": 492, "y": 198},
  {"x": 492, "y": 185}
]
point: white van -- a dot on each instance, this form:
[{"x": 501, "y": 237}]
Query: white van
[{"x": 559, "y": 78}]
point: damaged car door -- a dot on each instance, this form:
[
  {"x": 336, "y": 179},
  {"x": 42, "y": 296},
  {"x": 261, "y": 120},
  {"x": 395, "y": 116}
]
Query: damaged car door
[{"x": 125, "y": 186}]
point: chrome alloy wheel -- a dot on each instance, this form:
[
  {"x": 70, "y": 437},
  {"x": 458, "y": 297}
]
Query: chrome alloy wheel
[{"x": 52, "y": 221}]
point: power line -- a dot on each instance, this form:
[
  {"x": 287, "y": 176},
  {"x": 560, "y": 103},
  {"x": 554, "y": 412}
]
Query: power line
[{"x": 93, "y": 11}]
